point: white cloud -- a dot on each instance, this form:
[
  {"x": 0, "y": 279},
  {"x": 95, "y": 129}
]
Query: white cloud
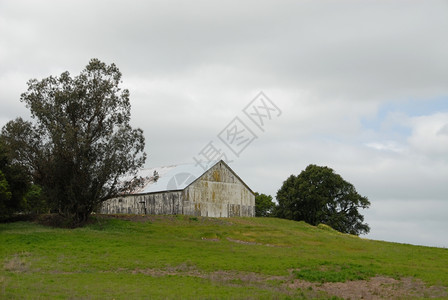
[
  {"x": 443, "y": 130},
  {"x": 387, "y": 146},
  {"x": 420, "y": 221},
  {"x": 12, "y": 84},
  {"x": 429, "y": 136}
]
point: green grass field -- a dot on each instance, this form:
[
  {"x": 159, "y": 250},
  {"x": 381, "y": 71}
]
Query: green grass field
[{"x": 183, "y": 257}]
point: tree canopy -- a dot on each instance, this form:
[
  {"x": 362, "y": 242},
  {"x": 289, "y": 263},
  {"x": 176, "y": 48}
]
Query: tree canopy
[
  {"x": 264, "y": 206},
  {"x": 319, "y": 195},
  {"x": 14, "y": 184},
  {"x": 80, "y": 142}
]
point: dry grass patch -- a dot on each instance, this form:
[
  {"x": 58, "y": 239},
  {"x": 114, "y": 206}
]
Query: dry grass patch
[
  {"x": 18, "y": 263},
  {"x": 378, "y": 287}
]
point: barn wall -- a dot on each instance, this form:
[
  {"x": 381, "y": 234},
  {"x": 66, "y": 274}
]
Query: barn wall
[
  {"x": 164, "y": 203},
  {"x": 217, "y": 193}
]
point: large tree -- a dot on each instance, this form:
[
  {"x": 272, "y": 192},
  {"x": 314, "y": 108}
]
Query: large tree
[
  {"x": 319, "y": 195},
  {"x": 80, "y": 143}
]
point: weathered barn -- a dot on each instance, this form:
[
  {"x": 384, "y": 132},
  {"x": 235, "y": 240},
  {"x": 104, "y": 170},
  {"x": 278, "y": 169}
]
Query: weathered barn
[{"x": 189, "y": 189}]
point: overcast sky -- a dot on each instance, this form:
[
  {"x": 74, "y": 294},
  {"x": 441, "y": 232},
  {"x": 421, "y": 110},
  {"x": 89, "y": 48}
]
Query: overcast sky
[{"x": 358, "y": 86}]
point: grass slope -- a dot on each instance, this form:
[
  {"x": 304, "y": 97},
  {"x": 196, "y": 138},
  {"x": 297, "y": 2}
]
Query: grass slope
[{"x": 180, "y": 256}]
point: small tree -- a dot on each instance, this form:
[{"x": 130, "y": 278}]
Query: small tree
[
  {"x": 34, "y": 201},
  {"x": 14, "y": 184},
  {"x": 80, "y": 143},
  {"x": 264, "y": 205},
  {"x": 5, "y": 197},
  {"x": 319, "y": 195}
]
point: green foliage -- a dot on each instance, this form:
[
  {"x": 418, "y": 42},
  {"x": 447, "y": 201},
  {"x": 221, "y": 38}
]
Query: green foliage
[
  {"x": 34, "y": 201},
  {"x": 264, "y": 205},
  {"x": 80, "y": 142},
  {"x": 319, "y": 195},
  {"x": 169, "y": 257},
  {"x": 14, "y": 183},
  {"x": 5, "y": 196}
]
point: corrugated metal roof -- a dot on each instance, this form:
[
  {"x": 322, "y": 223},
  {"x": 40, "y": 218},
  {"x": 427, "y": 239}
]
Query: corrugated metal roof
[{"x": 176, "y": 177}]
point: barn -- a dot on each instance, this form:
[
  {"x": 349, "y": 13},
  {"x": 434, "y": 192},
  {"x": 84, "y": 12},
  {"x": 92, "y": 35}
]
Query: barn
[{"x": 187, "y": 189}]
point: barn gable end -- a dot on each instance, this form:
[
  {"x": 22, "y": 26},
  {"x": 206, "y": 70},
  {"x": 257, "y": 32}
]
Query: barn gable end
[{"x": 218, "y": 192}]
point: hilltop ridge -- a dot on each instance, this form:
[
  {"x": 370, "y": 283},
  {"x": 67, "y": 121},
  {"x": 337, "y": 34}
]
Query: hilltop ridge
[{"x": 197, "y": 257}]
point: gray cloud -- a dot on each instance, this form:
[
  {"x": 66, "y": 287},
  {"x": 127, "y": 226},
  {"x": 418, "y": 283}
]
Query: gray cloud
[{"x": 191, "y": 67}]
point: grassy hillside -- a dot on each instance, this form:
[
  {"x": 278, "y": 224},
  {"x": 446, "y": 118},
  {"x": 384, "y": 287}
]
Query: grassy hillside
[{"x": 179, "y": 256}]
